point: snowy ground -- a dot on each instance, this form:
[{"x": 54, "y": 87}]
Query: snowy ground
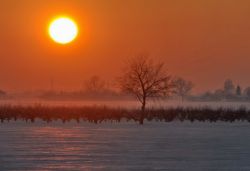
[{"x": 125, "y": 146}]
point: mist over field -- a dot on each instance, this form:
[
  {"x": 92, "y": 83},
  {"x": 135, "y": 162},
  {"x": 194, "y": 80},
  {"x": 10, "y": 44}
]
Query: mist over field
[
  {"x": 135, "y": 85},
  {"x": 130, "y": 104}
]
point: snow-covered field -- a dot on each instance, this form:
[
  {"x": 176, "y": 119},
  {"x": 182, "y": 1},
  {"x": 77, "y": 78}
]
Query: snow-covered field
[{"x": 125, "y": 146}]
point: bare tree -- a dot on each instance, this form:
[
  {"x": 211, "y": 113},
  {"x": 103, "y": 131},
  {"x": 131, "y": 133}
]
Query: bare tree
[
  {"x": 144, "y": 78},
  {"x": 182, "y": 87},
  {"x": 238, "y": 91},
  {"x": 229, "y": 88},
  {"x": 247, "y": 93},
  {"x": 2, "y": 93},
  {"x": 94, "y": 84}
]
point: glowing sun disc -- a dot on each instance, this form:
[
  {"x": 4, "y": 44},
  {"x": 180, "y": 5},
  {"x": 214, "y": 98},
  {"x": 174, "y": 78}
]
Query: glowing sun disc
[{"x": 63, "y": 30}]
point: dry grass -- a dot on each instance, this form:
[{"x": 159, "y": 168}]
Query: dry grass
[{"x": 96, "y": 114}]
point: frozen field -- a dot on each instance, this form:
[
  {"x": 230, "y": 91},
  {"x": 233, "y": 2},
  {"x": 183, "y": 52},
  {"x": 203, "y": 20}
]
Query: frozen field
[{"x": 125, "y": 146}]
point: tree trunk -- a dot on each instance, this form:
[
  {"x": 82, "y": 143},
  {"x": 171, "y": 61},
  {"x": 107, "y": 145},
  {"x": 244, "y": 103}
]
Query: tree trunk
[{"x": 143, "y": 110}]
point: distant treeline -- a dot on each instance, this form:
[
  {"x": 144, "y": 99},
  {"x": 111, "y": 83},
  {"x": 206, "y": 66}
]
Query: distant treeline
[
  {"x": 96, "y": 89},
  {"x": 2, "y": 93},
  {"x": 230, "y": 92},
  {"x": 83, "y": 95},
  {"x": 143, "y": 78},
  {"x": 106, "y": 114}
]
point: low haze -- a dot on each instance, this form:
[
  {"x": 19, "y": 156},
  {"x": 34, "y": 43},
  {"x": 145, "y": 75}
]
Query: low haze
[{"x": 124, "y": 85}]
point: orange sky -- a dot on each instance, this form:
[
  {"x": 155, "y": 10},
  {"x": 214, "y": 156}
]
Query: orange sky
[{"x": 204, "y": 41}]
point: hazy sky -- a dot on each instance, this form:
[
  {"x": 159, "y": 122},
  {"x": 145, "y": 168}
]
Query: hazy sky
[{"x": 205, "y": 41}]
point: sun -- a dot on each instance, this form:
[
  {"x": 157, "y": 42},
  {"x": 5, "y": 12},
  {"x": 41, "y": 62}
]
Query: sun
[{"x": 63, "y": 30}]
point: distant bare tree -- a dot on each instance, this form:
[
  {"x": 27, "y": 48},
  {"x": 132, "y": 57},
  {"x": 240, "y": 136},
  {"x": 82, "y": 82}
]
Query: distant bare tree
[
  {"x": 94, "y": 84},
  {"x": 144, "y": 78},
  {"x": 247, "y": 93},
  {"x": 182, "y": 87},
  {"x": 229, "y": 88},
  {"x": 238, "y": 90},
  {"x": 2, "y": 93}
]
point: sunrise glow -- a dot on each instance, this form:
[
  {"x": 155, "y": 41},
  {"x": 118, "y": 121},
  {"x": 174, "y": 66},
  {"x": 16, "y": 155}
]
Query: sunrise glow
[{"x": 63, "y": 30}]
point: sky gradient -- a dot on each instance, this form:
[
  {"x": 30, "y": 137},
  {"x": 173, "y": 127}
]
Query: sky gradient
[{"x": 200, "y": 40}]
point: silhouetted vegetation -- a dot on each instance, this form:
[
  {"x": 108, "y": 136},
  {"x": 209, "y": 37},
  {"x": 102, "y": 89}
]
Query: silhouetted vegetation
[
  {"x": 2, "y": 93},
  {"x": 247, "y": 93},
  {"x": 95, "y": 85},
  {"x": 230, "y": 92},
  {"x": 182, "y": 87},
  {"x": 96, "y": 114},
  {"x": 143, "y": 78},
  {"x": 238, "y": 91},
  {"x": 94, "y": 88},
  {"x": 97, "y": 89}
]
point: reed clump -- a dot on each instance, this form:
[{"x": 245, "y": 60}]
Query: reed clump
[{"x": 99, "y": 114}]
